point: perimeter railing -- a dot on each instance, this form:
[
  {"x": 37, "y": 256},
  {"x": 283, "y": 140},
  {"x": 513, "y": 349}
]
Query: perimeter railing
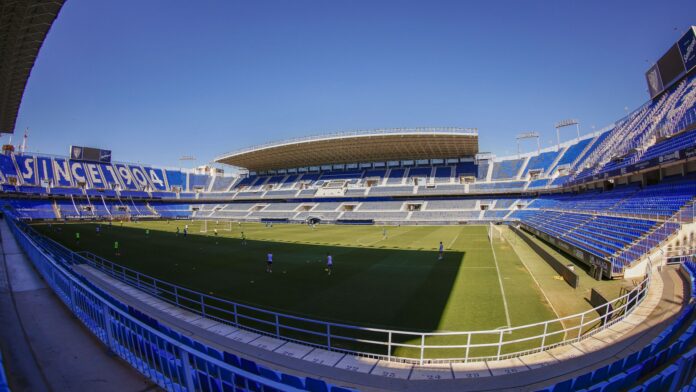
[
  {"x": 167, "y": 361},
  {"x": 394, "y": 345}
]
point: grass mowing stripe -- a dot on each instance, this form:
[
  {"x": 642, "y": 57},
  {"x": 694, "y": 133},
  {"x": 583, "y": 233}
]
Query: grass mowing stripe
[{"x": 502, "y": 290}]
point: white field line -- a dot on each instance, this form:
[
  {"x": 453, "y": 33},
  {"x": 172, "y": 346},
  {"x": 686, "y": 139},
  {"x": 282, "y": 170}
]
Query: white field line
[
  {"x": 558, "y": 316},
  {"x": 502, "y": 290},
  {"x": 369, "y": 243},
  {"x": 449, "y": 246},
  {"x": 476, "y": 267}
]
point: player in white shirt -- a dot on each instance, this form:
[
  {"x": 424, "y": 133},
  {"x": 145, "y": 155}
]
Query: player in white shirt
[
  {"x": 269, "y": 262},
  {"x": 329, "y": 263}
]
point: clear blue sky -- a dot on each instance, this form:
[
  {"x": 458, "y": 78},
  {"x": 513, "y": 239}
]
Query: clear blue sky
[{"x": 155, "y": 80}]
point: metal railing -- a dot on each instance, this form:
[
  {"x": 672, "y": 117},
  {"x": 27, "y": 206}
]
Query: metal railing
[
  {"x": 167, "y": 361},
  {"x": 383, "y": 343}
]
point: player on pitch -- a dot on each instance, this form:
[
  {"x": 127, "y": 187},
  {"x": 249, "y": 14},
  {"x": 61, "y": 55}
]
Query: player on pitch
[
  {"x": 329, "y": 263},
  {"x": 269, "y": 262}
]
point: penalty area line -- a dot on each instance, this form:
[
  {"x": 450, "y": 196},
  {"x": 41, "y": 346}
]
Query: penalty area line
[
  {"x": 449, "y": 246},
  {"x": 500, "y": 281}
]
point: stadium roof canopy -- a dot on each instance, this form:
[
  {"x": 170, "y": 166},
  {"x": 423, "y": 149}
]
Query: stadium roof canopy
[
  {"x": 355, "y": 147},
  {"x": 23, "y": 28}
]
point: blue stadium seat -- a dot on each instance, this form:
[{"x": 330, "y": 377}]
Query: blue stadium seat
[
  {"x": 207, "y": 383},
  {"x": 582, "y": 381},
  {"x": 668, "y": 376},
  {"x": 616, "y": 367},
  {"x": 314, "y": 385},
  {"x": 563, "y": 386},
  {"x": 291, "y": 380},
  {"x": 631, "y": 360},
  {"x": 653, "y": 383},
  {"x": 600, "y": 374},
  {"x": 231, "y": 359},
  {"x": 249, "y": 366},
  {"x": 645, "y": 352},
  {"x": 632, "y": 375},
  {"x": 269, "y": 374}
]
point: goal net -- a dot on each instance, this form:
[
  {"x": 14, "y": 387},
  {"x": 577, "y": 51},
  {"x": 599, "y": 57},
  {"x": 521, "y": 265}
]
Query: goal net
[
  {"x": 494, "y": 233},
  {"x": 212, "y": 225}
]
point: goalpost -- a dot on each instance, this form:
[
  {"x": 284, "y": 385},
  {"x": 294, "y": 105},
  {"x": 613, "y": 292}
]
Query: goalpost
[
  {"x": 493, "y": 233},
  {"x": 224, "y": 225},
  {"x": 504, "y": 235}
]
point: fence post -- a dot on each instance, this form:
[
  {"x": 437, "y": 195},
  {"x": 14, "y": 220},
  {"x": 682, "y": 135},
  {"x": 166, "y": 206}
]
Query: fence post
[
  {"x": 176, "y": 296},
  {"x": 202, "y": 300},
  {"x": 582, "y": 324},
  {"x": 234, "y": 309},
  {"x": 422, "y": 348},
  {"x": 543, "y": 337},
  {"x": 389, "y": 346},
  {"x": 277, "y": 325},
  {"x": 188, "y": 376},
  {"x": 468, "y": 346},
  {"x": 500, "y": 344},
  {"x": 328, "y": 336},
  {"x": 107, "y": 327},
  {"x": 72, "y": 296}
]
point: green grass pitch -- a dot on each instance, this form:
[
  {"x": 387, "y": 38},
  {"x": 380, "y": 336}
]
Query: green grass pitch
[{"x": 395, "y": 282}]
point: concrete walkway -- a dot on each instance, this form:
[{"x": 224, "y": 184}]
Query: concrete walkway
[{"x": 44, "y": 346}]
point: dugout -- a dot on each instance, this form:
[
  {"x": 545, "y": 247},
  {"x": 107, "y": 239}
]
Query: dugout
[
  {"x": 355, "y": 222},
  {"x": 313, "y": 220}
]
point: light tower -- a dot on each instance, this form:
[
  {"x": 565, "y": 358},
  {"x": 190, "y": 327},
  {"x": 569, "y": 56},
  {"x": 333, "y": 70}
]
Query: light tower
[
  {"x": 185, "y": 158},
  {"x": 563, "y": 124},
  {"x": 528, "y": 135}
]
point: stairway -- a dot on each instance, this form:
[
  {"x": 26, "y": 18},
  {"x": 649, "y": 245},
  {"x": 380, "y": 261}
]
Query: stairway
[
  {"x": 105, "y": 206},
  {"x": 56, "y": 210}
]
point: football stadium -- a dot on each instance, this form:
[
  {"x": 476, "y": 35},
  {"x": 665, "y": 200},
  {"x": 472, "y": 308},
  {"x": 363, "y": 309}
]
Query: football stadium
[{"x": 383, "y": 259}]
